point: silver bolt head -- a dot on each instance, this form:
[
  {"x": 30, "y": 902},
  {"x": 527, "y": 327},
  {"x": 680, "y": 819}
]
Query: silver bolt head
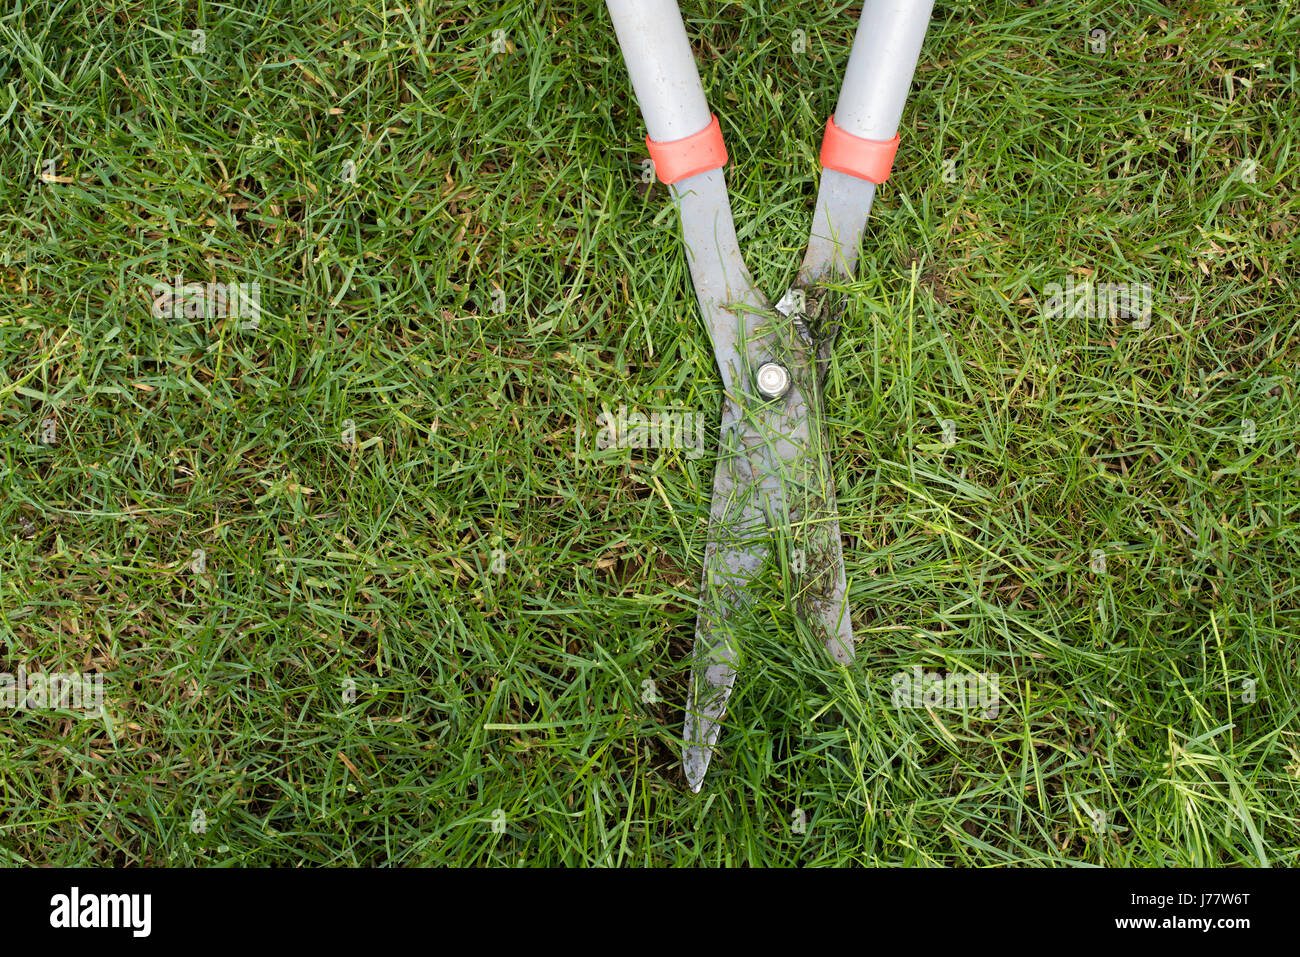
[{"x": 773, "y": 380}]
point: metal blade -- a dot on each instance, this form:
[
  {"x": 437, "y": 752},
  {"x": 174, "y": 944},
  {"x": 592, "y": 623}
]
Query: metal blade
[
  {"x": 737, "y": 547},
  {"x": 817, "y": 556},
  {"x": 816, "y": 552},
  {"x": 735, "y": 314},
  {"x": 772, "y": 480}
]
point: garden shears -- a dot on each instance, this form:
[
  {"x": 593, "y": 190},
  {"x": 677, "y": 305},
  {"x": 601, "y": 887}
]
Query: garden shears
[{"x": 773, "y": 489}]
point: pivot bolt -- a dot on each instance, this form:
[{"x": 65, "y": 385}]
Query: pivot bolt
[{"x": 773, "y": 380}]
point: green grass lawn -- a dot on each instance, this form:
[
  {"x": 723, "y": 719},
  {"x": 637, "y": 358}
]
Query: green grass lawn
[{"x": 360, "y": 587}]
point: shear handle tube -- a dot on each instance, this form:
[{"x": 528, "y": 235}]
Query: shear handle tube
[
  {"x": 661, "y": 66},
  {"x": 885, "y": 50}
]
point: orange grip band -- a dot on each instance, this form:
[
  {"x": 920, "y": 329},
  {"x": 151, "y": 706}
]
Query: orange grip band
[
  {"x": 866, "y": 159},
  {"x": 689, "y": 156}
]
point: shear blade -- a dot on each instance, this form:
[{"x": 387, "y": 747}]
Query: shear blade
[
  {"x": 772, "y": 480},
  {"x": 735, "y": 552}
]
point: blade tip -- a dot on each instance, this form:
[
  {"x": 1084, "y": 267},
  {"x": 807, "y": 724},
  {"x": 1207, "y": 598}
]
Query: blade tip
[{"x": 695, "y": 767}]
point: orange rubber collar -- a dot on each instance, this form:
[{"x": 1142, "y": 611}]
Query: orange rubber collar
[
  {"x": 689, "y": 156},
  {"x": 866, "y": 159}
]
